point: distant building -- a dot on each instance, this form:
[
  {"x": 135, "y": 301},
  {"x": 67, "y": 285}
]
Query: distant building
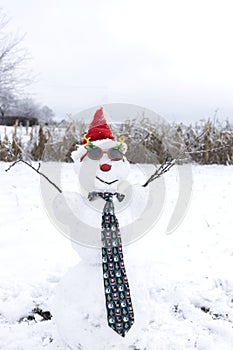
[{"x": 11, "y": 120}]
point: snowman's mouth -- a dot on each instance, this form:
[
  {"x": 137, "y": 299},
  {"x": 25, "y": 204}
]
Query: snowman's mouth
[{"x": 105, "y": 182}]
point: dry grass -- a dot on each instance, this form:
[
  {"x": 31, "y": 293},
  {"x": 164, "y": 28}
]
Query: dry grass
[{"x": 204, "y": 142}]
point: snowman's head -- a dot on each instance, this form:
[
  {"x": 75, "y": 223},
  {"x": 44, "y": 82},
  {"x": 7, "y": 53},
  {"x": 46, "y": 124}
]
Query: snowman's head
[{"x": 101, "y": 158}]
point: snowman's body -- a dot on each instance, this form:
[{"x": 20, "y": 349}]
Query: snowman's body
[{"x": 79, "y": 307}]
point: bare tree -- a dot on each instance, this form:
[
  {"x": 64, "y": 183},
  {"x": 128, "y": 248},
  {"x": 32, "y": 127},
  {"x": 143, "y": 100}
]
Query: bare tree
[
  {"x": 7, "y": 100},
  {"x": 26, "y": 107},
  {"x": 13, "y": 75},
  {"x": 46, "y": 115}
]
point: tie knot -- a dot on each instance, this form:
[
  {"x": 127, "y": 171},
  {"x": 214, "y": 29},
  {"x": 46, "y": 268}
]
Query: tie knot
[{"x": 107, "y": 196}]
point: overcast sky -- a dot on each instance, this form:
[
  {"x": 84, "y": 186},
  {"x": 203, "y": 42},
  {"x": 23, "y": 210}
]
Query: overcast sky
[{"x": 174, "y": 57}]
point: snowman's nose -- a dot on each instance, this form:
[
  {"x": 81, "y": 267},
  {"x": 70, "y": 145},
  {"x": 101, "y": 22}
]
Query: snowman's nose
[{"x": 105, "y": 167}]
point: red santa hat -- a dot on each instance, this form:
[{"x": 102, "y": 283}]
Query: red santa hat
[
  {"x": 98, "y": 129},
  {"x": 98, "y": 133}
]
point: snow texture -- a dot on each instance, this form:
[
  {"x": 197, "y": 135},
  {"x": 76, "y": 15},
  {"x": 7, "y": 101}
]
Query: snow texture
[{"x": 181, "y": 284}]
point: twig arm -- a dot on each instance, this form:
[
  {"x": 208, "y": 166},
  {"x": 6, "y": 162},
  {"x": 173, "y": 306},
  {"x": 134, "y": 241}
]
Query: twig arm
[
  {"x": 164, "y": 167},
  {"x": 36, "y": 170},
  {"x": 168, "y": 163}
]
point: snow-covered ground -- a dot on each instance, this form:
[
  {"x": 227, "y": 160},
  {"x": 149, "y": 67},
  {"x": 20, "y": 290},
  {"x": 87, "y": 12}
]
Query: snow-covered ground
[{"x": 191, "y": 274}]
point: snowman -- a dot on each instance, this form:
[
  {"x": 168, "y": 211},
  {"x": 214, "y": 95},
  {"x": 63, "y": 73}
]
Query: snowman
[{"x": 104, "y": 301}]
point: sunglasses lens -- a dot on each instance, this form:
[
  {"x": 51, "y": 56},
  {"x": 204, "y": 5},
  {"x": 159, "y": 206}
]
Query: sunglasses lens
[
  {"x": 95, "y": 153},
  {"x": 115, "y": 154}
]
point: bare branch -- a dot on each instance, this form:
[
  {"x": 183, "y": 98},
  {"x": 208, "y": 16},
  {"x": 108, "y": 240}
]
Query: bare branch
[
  {"x": 169, "y": 163},
  {"x": 14, "y": 74},
  {"x": 164, "y": 167},
  {"x": 36, "y": 170}
]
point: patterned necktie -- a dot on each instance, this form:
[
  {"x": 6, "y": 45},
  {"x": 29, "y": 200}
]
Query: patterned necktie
[{"x": 117, "y": 294}]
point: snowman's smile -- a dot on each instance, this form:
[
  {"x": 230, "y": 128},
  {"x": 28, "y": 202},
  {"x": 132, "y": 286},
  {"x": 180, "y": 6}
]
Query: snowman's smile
[{"x": 106, "y": 182}]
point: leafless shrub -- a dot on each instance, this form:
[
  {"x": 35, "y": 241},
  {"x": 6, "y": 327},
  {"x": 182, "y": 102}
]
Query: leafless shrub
[{"x": 205, "y": 142}]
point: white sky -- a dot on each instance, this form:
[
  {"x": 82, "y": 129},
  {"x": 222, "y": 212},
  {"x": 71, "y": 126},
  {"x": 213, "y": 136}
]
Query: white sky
[{"x": 172, "y": 56}]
